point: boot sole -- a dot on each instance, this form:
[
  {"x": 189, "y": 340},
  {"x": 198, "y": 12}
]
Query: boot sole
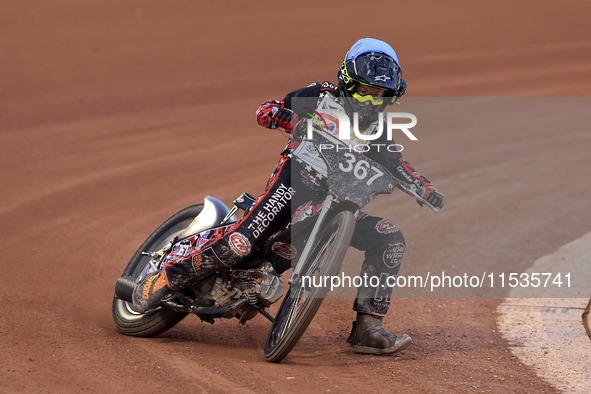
[{"x": 405, "y": 342}]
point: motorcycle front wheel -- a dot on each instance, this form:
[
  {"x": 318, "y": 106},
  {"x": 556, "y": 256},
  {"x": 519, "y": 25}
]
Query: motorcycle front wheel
[
  {"x": 302, "y": 299},
  {"x": 156, "y": 321}
]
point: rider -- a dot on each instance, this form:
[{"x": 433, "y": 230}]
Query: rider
[{"x": 369, "y": 81}]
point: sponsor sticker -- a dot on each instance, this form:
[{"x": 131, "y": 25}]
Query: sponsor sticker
[
  {"x": 196, "y": 260},
  {"x": 200, "y": 243},
  {"x": 239, "y": 244},
  {"x": 160, "y": 283},
  {"x": 285, "y": 250},
  {"x": 147, "y": 286},
  {"x": 273, "y": 205},
  {"x": 393, "y": 255},
  {"x": 385, "y": 226}
]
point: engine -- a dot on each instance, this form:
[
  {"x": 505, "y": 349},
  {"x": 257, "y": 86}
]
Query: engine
[{"x": 261, "y": 287}]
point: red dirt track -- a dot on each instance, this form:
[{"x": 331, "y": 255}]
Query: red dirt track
[{"x": 113, "y": 115}]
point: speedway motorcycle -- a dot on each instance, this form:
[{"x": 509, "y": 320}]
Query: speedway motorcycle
[{"x": 312, "y": 245}]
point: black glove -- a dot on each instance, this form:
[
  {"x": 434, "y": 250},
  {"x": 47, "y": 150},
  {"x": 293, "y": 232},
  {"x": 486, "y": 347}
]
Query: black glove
[
  {"x": 401, "y": 89},
  {"x": 282, "y": 118}
]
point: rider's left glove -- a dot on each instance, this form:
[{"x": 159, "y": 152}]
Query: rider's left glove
[
  {"x": 433, "y": 196},
  {"x": 282, "y": 118}
]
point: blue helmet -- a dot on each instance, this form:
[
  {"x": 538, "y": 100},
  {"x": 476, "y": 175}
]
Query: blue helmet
[{"x": 371, "y": 62}]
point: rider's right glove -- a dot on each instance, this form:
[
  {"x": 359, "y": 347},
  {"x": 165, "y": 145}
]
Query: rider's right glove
[
  {"x": 266, "y": 111},
  {"x": 282, "y": 118}
]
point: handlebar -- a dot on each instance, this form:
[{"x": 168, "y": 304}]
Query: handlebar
[
  {"x": 411, "y": 190},
  {"x": 320, "y": 135}
]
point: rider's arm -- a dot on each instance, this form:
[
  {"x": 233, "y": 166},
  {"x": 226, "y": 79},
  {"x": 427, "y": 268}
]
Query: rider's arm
[
  {"x": 404, "y": 171},
  {"x": 278, "y": 113},
  {"x": 407, "y": 173}
]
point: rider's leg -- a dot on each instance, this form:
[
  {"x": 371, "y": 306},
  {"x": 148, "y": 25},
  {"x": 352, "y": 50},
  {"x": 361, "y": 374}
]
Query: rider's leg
[
  {"x": 384, "y": 248},
  {"x": 232, "y": 245}
]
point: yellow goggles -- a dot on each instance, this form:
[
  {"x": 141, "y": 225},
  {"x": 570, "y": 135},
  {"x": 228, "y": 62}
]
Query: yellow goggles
[{"x": 368, "y": 97}]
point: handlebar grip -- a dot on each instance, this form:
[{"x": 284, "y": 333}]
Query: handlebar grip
[{"x": 410, "y": 189}]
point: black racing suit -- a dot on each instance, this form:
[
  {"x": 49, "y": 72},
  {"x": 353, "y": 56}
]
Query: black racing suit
[{"x": 381, "y": 241}]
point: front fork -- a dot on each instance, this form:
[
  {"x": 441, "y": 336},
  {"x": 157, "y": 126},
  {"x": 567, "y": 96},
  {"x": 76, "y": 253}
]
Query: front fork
[{"x": 297, "y": 270}]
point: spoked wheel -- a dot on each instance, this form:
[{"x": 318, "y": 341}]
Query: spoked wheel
[
  {"x": 154, "y": 322},
  {"x": 304, "y": 297}
]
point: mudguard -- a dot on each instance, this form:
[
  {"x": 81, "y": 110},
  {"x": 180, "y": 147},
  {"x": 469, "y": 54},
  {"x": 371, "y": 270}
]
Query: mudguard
[{"x": 214, "y": 211}]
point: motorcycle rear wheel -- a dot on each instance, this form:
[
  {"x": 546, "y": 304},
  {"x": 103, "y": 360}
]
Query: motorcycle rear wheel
[
  {"x": 156, "y": 321},
  {"x": 301, "y": 303}
]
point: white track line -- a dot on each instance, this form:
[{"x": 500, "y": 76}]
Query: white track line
[{"x": 547, "y": 334}]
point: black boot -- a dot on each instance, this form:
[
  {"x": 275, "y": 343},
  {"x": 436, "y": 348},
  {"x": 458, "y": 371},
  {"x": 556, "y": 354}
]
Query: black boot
[
  {"x": 148, "y": 293},
  {"x": 369, "y": 336}
]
